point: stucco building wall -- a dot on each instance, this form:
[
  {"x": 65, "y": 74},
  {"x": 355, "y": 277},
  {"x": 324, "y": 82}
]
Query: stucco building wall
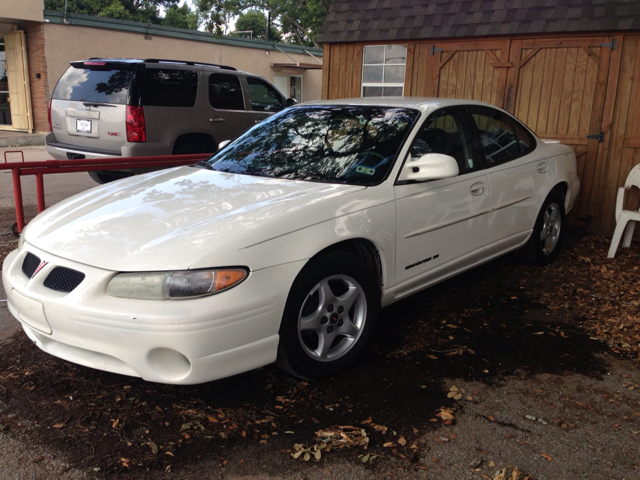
[
  {"x": 65, "y": 43},
  {"x": 22, "y": 9}
]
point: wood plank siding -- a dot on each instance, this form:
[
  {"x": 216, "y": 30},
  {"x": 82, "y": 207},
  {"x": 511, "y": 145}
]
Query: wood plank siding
[{"x": 565, "y": 87}]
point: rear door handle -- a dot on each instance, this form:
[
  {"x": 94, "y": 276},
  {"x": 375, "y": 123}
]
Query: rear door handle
[
  {"x": 477, "y": 189},
  {"x": 217, "y": 120},
  {"x": 543, "y": 167}
]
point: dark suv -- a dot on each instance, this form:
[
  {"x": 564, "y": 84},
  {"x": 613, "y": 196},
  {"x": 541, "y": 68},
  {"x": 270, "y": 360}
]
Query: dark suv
[{"x": 105, "y": 107}]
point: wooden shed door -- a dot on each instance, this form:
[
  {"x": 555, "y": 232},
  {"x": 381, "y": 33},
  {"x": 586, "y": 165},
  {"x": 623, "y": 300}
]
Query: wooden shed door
[
  {"x": 18, "y": 76},
  {"x": 557, "y": 87},
  {"x": 472, "y": 70}
]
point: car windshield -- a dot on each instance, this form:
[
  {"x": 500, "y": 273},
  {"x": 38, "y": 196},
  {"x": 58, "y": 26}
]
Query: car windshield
[{"x": 337, "y": 144}]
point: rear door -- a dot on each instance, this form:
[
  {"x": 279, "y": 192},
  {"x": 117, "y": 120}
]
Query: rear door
[
  {"x": 519, "y": 176},
  {"x": 227, "y": 112},
  {"x": 88, "y": 106}
]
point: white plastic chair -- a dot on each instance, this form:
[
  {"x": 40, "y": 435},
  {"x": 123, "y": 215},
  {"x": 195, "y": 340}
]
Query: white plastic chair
[{"x": 624, "y": 217}]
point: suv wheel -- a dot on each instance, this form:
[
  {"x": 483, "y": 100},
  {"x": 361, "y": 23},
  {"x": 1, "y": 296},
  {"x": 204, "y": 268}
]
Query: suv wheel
[{"x": 105, "y": 176}]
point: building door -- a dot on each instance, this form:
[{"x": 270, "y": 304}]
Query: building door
[
  {"x": 17, "y": 70},
  {"x": 469, "y": 70},
  {"x": 557, "y": 88}
]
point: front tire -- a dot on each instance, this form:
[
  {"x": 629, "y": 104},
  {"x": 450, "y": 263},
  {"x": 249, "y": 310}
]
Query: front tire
[
  {"x": 330, "y": 317},
  {"x": 548, "y": 233}
]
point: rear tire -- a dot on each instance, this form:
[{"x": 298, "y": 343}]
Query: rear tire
[
  {"x": 106, "y": 176},
  {"x": 193, "y": 147},
  {"x": 548, "y": 232},
  {"x": 330, "y": 316}
]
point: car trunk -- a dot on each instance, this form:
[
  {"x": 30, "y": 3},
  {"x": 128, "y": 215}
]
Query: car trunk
[{"x": 89, "y": 106}]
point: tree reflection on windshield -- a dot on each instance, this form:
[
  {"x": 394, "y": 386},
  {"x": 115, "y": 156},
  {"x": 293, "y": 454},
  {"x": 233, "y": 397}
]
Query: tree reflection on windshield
[{"x": 344, "y": 144}]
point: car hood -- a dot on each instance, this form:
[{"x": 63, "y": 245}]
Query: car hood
[{"x": 170, "y": 219}]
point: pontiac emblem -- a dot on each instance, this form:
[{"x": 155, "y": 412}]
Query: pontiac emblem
[{"x": 40, "y": 267}]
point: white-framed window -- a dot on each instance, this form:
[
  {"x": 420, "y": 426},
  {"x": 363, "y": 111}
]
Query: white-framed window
[
  {"x": 383, "y": 68},
  {"x": 289, "y": 85}
]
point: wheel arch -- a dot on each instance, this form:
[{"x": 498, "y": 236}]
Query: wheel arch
[
  {"x": 188, "y": 138},
  {"x": 362, "y": 248}
]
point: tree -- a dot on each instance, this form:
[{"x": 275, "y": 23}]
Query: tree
[
  {"x": 300, "y": 21},
  {"x": 256, "y": 22},
  {"x": 145, "y": 11},
  {"x": 180, "y": 17}
]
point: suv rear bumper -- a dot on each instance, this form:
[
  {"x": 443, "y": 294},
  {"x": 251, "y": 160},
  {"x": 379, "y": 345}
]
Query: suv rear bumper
[{"x": 59, "y": 150}]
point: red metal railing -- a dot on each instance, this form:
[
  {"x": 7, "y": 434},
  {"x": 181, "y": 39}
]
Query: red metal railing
[{"x": 43, "y": 167}]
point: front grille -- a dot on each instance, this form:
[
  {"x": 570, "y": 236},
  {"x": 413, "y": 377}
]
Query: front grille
[
  {"x": 30, "y": 264},
  {"x": 63, "y": 279}
]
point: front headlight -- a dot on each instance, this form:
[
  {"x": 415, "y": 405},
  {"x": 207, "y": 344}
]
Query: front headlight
[{"x": 175, "y": 285}]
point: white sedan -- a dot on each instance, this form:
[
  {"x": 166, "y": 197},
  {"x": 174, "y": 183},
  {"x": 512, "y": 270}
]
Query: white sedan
[{"x": 285, "y": 245}]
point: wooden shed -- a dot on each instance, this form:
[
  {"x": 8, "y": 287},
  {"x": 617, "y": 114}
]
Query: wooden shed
[{"x": 569, "y": 69}]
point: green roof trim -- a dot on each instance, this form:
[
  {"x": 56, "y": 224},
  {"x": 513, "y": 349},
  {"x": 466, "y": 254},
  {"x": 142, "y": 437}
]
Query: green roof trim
[{"x": 52, "y": 16}]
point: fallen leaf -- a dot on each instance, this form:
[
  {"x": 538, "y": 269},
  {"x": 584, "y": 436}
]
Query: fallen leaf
[
  {"x": 402, "y": 441},
  {"x": 548, "y": 457}
]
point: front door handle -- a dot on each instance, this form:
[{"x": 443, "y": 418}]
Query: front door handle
[
  {"x": 477, "y": 189},
  {"x": 217, "y": 120},
  {"x": 543, "y": 167}
]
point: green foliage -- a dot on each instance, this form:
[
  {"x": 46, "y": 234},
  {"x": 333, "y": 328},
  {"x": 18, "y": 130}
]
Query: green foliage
[
  {"x": 180, "y": 17},
  {"x": 299, "y": 22},
  {"x": 145, "y": 11},
  {"x": 256, "y": 22}
]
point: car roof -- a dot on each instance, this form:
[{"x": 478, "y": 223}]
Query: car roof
[
  {"x": 159, "y": 61},
  {"x": 422, "y": 103}
]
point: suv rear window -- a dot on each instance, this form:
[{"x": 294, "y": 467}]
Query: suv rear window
[
  {"x": 170, "y": 88},
  {"x": 102, "y": 85}
]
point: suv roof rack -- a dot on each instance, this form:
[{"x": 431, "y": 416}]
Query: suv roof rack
[{"x": 162, "y": 60}]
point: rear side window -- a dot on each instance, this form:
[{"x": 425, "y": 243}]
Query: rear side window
[
  {"x": 102, "y": 85},
  {"x": 170, "y": 88},
  {"x": 498, "y": 138},
  {"x": 264, "y": 97},
  {"x": 225, "y": 92}
]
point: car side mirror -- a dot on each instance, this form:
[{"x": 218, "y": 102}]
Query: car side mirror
[
  {"x": 290, "y": 102},
  {"x": 430, "y": 166},
  {"x": 223, "y": 144}
]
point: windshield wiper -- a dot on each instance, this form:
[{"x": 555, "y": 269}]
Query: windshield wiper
[
  {"x": 204, "y": 164},
  {"x": 94, "y": 104}
]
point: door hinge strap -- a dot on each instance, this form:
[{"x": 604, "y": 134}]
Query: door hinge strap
[
  {"x": 434, "y": 50},
  {"x": 598, "y": 136},
  {"x": 612, "y": 45}
]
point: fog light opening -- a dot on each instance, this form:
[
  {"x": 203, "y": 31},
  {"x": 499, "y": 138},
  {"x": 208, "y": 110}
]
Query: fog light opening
[{"x": 169, "y": 364}]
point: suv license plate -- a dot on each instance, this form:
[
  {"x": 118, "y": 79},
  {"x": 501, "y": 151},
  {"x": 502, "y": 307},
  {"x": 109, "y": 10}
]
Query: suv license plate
[{"x": 83, "y": 126}]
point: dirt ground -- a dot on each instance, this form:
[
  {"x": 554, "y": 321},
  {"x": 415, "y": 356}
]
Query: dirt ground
[{"x": 505, "y": 365}]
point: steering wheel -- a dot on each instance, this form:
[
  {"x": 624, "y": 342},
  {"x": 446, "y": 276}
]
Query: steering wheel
[{"x": 368, "y": 152}]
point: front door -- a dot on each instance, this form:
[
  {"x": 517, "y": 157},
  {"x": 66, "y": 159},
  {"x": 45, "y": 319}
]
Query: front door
[
  {"x": 441, "y": 224},
  {"x": 18, "y": 81}
]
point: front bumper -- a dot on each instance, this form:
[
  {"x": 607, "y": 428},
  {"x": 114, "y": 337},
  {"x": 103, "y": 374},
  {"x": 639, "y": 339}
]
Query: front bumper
[{"x": 173, "y": 341}]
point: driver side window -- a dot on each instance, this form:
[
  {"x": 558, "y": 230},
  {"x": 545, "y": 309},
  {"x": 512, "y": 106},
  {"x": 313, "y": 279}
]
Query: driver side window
[
  {"x": 263, "y": 96},
  {"x": 444, "y": 132}
]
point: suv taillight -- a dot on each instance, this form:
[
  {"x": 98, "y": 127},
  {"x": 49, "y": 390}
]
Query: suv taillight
[
  {"x": 136, "y": 129},
  {"x": 49, "y": 113}
]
